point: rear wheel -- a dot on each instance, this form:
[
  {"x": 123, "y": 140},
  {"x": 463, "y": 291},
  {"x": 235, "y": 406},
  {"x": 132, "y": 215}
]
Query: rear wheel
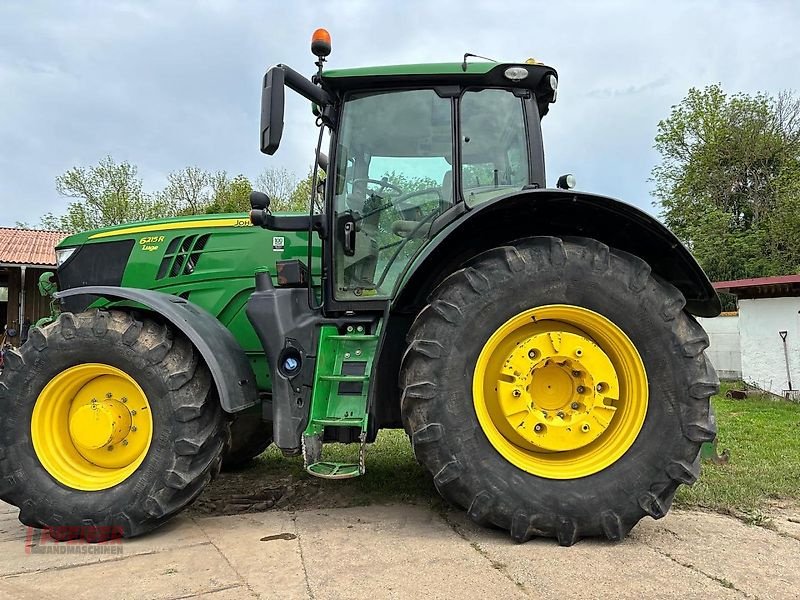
[
  {"x": 250, "y": 437},
  {"x": 557, "y": 388},
  {"x": 111, "y": 426}
]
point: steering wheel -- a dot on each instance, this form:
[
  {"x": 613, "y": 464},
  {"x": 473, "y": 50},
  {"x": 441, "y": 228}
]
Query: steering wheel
[
  {"x": 381, "y": 182},
  {"x": 399, "y": 200}
]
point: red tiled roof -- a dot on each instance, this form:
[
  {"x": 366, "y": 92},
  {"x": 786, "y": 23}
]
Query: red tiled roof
[
  {"x": 762, "y": 287},
  {"x": 28, "y": 246}
]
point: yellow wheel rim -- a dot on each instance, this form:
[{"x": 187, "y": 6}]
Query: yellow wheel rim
[
  {"x": 560, "y": 391},
  {"x": 91, "y": 427}
]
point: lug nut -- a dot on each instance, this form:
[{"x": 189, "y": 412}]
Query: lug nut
[
  {"x": 124, "y": 442},
  {"x": 133, "y": 428},
  {"x": 585, "y": 427},
  {"x": 133, "y": 413},
  {"x": 601, "y": 387},
  {"x": 516, "y": 393},
  {"x": 574, "y": 406},
  {"x": 110, "y": 448},
  {"x": 109, "y": 394},
  {"x": 124, "y": 400},
  {"x": 538, "y": 427},
  {"x": 532, "y": 354},
  {"x": 560, "y": 415},
  {"x": 576, "y": 373},
  {"x": 358, "y": 352},
  {"x": 347, "y": 355},
  {"x": 578, "y": 352},
  {"x": 580, "y": 389}
]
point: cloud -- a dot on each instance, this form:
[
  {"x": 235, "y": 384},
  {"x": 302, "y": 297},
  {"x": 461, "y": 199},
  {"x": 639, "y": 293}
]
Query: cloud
[{"x": 165, "y": 84}]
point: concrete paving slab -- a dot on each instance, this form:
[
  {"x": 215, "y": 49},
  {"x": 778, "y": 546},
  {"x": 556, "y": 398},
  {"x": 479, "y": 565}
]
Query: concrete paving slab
[
  {"x": 754, "y": 560},
  {"x": 175, "y": 573},
  {"x": 181, "y": 532},
  {"x": 234, "y": 593},
  {"x": 590, "y": 569},
  {"x": 263, "y": 549},
  {"x": 402, "y": 551},
  {"x": 393, "y": 552},
  {"x": 785, "y": 517}
]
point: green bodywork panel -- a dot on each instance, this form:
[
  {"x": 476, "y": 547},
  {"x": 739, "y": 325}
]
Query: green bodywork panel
[
  {"x": 452, "y": 68},
  {"x": 222, "y": 277}
]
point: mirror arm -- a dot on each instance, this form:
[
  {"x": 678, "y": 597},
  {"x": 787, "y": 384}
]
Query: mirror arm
[
  {"x": 304, "y": 87},
  {"x": 265, "y": 219}
]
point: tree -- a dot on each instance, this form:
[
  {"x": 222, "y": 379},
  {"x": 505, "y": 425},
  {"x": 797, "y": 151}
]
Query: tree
[
  {"x": 108, "y": 193},
  {"x": 229, "y": 195},
  {"x": 279, "y": 185},
  {"x": 301, "y": 194},
  {"x": 728, "y": 180},
  {"x": 188, "y": 191}
]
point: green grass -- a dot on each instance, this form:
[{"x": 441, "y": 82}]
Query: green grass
[
  {"x": 393, "y": 474},
  {"x": 762, "y": 435}
]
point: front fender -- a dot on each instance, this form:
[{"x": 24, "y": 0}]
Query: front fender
[
  {"x": 226, "y": 360},
  {"x": 559, "y": 213}
]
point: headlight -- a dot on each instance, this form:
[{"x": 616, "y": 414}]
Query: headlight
[{"x": 63, "y": 254}]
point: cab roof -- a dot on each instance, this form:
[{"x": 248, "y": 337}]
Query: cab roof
[{"x": 453, "y": 73}]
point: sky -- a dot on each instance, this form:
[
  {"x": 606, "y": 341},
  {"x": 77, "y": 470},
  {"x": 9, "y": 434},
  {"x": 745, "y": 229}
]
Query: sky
[{"x": 168, "y": 84}]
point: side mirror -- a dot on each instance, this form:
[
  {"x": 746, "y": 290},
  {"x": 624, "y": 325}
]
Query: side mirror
[
  {"x": 259, "y": 201},
  {"x": 566, "y": 182},
  {"x": 272, "y": 99}
]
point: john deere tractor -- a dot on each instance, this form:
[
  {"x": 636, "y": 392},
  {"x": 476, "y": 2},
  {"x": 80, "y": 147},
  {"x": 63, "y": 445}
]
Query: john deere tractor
[{"x": 537, "y": 344}]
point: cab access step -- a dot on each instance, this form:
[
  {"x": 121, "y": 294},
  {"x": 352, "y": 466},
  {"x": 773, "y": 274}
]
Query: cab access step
[{"x": 340, "y": 397}]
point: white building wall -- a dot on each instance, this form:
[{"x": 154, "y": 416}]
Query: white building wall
[
  {"x": 763, "y": 362},
  {"x": 725, "y": 348}
]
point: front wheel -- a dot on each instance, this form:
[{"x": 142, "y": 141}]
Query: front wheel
[
  {"x": 110, "y": 426},
  {"x": 557, "y": 388}
]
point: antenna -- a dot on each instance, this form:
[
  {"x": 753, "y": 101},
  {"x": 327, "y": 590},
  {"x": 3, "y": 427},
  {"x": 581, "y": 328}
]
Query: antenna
[{"x": 468, "y": 55}]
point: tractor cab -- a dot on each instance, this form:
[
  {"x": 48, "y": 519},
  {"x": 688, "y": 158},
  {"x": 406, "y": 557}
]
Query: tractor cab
[{"x": 412, "y": 148}]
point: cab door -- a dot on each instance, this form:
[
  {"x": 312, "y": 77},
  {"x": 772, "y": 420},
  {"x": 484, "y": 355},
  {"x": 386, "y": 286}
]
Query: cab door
[{"x": 393, "y": 178}]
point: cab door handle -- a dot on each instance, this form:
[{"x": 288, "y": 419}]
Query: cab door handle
[{"x": 349, "y": 237}]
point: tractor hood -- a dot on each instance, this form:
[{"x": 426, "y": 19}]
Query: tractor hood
[{"x": 156, "y": 225}]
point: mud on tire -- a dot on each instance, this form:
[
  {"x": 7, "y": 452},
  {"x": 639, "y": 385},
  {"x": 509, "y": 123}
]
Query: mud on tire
[
  {"x": 437, "y": 402},
  {"x": 190, "y": 430}
]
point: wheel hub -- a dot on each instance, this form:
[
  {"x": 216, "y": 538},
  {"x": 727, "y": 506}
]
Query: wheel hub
[
  {"x": 556, "y": 390},
  {"x": 100, "y": 424},
  {"x": 560, "y": 391},
  {"x": 91, "y": 426}
]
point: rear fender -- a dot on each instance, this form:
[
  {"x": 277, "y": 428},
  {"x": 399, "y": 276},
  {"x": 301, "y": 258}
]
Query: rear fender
[
  {"x": 558, "y": 213},
  {"x": 233, "y": 376}
]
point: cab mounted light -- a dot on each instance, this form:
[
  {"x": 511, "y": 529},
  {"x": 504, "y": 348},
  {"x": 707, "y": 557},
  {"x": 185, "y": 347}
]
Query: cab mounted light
[
  {"x": 321, "y": 43},
  {"x": 516, "y": 73}
]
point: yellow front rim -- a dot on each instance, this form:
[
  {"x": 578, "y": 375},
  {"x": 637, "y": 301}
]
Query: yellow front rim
[
  {"x": 91, "y": 427},
  {"x": 560, "y": 391}
]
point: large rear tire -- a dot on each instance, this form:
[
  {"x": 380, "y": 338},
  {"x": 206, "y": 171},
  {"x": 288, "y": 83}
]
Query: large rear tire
[
  {"x": 557, "y": 388},
  {"x": 110, "y": 426}
]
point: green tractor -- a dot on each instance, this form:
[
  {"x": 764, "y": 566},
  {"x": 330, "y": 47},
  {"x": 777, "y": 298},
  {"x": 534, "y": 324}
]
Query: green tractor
[{"x": 538, "y": 345}]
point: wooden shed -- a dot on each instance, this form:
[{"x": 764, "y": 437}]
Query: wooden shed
[{"x": 24, "y": 255}]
